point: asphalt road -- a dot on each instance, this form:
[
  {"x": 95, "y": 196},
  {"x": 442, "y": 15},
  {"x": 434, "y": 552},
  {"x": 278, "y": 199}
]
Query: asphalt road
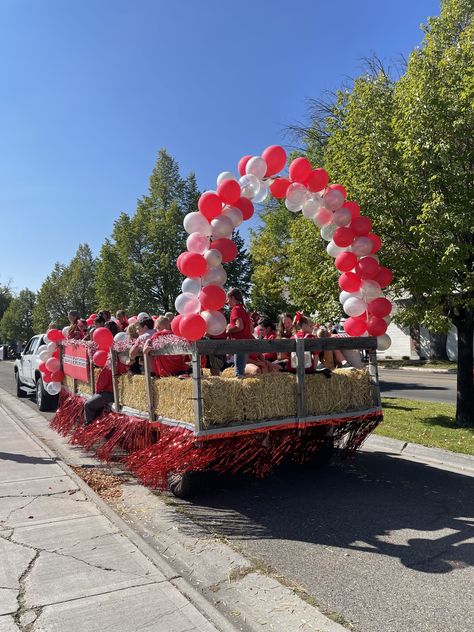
[
  {"x": 421, "y": 385},
  {"x": 384, "y": 542}
]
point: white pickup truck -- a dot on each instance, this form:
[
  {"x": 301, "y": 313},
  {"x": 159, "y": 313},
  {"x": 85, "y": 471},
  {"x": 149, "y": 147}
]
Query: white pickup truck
[{"x": 28, "y": 376}]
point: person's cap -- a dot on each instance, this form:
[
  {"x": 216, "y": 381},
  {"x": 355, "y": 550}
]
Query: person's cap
[
  {"x": 73, "y": 312},
  {"x": 142, "y": 316}
]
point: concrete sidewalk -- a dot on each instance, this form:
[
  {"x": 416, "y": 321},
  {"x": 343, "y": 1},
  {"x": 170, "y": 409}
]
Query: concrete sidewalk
[{"x": 64, "y": 565}]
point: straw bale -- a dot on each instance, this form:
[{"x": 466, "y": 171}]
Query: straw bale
[
  {"x": 132, "y": 391},
  {"x": 269, "y": 396},
  {"x": 345, "y": 390},
  {"x": 81, "y": 387},
  {"x": 223, "y": 401},
  {"x": 173, "y": 398}
]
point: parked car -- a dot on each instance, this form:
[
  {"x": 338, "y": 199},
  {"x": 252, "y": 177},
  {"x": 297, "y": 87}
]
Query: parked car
[{"x": 28, "y": 376}]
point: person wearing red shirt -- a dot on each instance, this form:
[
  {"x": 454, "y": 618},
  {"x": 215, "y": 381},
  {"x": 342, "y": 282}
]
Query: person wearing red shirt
[
  {"x": 104, "y": 393},
  {"x": 166, "y": 365},
  {"x": 239, "y": 327}
]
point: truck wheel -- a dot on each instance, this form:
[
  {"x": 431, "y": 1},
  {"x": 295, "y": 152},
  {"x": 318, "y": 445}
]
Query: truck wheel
[
  {"x": 44, "y": 400},
  {"x": 19, "y": 391},
  {"x": 181, "y": 485}
]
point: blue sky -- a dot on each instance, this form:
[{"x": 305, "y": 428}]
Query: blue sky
[{"x": 90, "y": 90}]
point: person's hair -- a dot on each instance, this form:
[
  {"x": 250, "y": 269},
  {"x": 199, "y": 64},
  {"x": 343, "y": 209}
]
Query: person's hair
[
  {"x": 121, "y": 313},
  {"x": 105, "y": 314},
  {"x": 323, "y": 332},
  {"x": 266, "y": 323},
  {"x": 299, "y": 320},
  {"x": 162, "y": 322},
  {"x": 146, "y": 322},
  {"x": 99, "y": 321},
  {"x": 280, "y": 327},
  {"x": 169, "y": 316},
  {"x": 112, "y": 327},
  {"x": 132, "y": 332},
  {"x": 74, "y": 314},
  {"x": 235, "y": 293}
]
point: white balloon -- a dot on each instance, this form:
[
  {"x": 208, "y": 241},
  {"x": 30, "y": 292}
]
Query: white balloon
[
  {"x": 311, "y": 206},
  {"x": 383, "y": 342},
  {"x": 142, "y": 315},
  {"x": 263, "y": 193},
  {"x": 333, "y": 199},
  {"x": 370, "y": 290},
  {"x": 187, "y": 303},
  {"x": 65, "y": 331},
  {"x": 222, "y": 226},
  {"x": 334, "y": 250},
  {"x": 323, "y": 217},
  {"x": 296, "y": 193},
  {"x": 249, "y": 185},
  {"x": 234, "y": 214},
  {"x": 225, "y": 175},
  {"x": 42, "y": 348},
  {"x": 387, "y": 319},
  {"x": 327, "y": 231},
  {"x": 354, "y": 306},
  {"x": 191, "y": 286},
  {"x": 45, "y": 355},
  {"x": 121, "y": 336},
  {"x": 215, "y": 276},
  {"x": 294, "y": 207},
  {"x": 53, "y": 388},
  {"x": 196, "y": 242},
  {"x": 342, "y": 217},
  {"x": 52, "y": 346},
  {"x": 362, "y": 246},
  {"x": 197, "y": 223},
  {"x": 256, "y": 166},
  {"x": 213, "y": 258},
  {"x": 343, "y": 296},
  {"x": 215, "y": 322}
]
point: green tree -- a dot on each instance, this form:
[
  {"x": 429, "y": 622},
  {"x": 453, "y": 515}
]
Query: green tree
[
  {"x": 17, "y": 321},
  {"x": 51, "y": 301},
  {"x": 5, "y": 298},
  {"x": 239, "y": 271},
  {"x": 79, "y": 282}
]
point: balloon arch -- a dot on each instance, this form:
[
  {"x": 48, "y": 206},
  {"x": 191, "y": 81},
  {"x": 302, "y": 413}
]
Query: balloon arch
[{"x": 352, "y": 243}]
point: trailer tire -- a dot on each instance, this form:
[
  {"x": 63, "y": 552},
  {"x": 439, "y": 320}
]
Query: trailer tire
[
  {"x": 181, "y": 485},
  {"x": 19, "y": 390}
]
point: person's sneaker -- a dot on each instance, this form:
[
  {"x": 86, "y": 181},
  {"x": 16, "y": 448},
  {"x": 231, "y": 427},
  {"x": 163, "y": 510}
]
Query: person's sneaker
[{"x": 346, "y": 365}]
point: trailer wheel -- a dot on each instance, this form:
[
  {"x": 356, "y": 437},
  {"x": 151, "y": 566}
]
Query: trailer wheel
[{"x": 181, "y": 485}]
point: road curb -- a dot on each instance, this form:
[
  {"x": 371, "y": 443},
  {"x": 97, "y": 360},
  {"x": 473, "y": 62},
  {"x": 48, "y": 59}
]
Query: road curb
[
  {"x": 420, "y": 369},
  {"x": 256, "y": 601},
  {"x": 443, "y": 459}
]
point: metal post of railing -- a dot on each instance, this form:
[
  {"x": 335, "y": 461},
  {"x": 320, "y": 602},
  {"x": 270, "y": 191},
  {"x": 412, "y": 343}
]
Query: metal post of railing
[
  {"x": 90, "y": 368},
  {"x": 197, "y": 397},
  {"x": 114, "y": 357},
  {"x": 300, "y": 374},
  {"x": 374, "y": 376},
  {"x": 149, "y": 387}
]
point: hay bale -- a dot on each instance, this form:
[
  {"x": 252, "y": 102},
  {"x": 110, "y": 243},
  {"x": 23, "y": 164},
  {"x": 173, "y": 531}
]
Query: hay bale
[
  {"x": 132, "y": 391},
  {"x": 173, "y": 398},
  {"x": 223, "y": 401},
  {"x": 345, "y": 390},
  {"x": 269, "y": 396},
  {"x": 82, "y": 388}
]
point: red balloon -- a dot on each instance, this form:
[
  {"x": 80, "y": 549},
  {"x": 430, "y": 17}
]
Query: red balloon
[
  {"x": 47, "y": 377},
  {"x": 345, "y": 261},
  {"x": 212, "y": 297},
  {"x": 229, "y": 191},
  {"x": 275, "y": 157},
  {"x": 42, "y": 367},
  {"x": 243, "y": 164},
  {"x": 54, "y": 335},
  {"x": 175, "y": 324},
  {"x": 103, "y": 338},
  {"x": 361, "y": 226},
  {"x": 338, "y": 187},
  {"x": 93, "y": 316},
  {"x": 384, "y": 276},
  {"x": 367, "y": 268},
  {"x": 380, "y": 307},
  {"x": 245, "y": 206},
  {"x": 226, "y": 247},
  {"x": 279, "y": 187},
  {"x": 376, "y": 326},
  {"x": 353, "y": 207},
  {"x": 349, "y": 282},
  {"x": 192, "y": 326},
  {"x": 90, "y": 321},
  {"x": 57, "y": 376},
  {"x": 193, "y": 265},
  {"x": 317, "y": 180},
  {"x": 343, "y": 236},
  {"x": 355, "y": 326},
  {"x": 179, "y": 260},
  {"x": 100, "y": 357},
  {"x": 210, "y": 205},
  {"x": 377, "y": 242},
  {"x": 300, "y": 170}
]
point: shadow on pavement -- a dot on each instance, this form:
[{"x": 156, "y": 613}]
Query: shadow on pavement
[
  {"x": 22, "y": 458},
  {"x": 374, "y": 503}
]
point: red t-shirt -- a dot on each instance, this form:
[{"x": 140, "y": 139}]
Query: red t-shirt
[
  {"x": 105, "y": 382},
  {"x": 239, "y": 311},
  {"x": 167, "y": 365},
  {"x": 271, "y": 357}
]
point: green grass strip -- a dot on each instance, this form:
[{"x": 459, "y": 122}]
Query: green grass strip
[{"x": 427, "y": 423}]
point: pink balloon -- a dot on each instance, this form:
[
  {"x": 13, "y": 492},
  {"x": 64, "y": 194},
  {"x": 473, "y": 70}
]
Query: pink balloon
[
  {"x": 53, "y": 365},
  {"x": 323, "y": 216},
  {"x": 197, "y": 243}
]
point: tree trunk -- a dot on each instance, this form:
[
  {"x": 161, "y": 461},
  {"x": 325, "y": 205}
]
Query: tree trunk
[
  {"x": 464, "y": 323},
  {"x": 438, "y": 346}
]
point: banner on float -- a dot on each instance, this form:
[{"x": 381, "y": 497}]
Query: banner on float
[{"x": 75, "y": 363}]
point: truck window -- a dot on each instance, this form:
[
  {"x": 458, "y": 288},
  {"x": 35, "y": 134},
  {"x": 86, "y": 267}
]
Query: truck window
[{"x": 29, "y": 347}]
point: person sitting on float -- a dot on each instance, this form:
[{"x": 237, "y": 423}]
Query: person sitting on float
[
  {"x": 121, "y": 319},
  {"x": 267, "y": 332},
  {"x": 75, "y": 331},
  {"x": 239, "y": 327},
  {"x": 331, "y": 359},
  {"x": 94, "y": 406},
  {"x": 166, "y": 365},
  {"x": 144, "y": 328}
]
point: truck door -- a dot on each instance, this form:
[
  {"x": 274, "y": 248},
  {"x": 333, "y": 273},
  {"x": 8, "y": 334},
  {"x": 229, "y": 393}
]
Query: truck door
[{"x": 27, "y": 361}]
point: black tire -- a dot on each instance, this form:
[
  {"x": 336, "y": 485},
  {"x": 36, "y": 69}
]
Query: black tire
[
  {"x": 323, "y": 456},
  {"x": 19, "y": 391},
  {"x": 44, "y": 400},
  {"x": 181, "y": 485}
]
